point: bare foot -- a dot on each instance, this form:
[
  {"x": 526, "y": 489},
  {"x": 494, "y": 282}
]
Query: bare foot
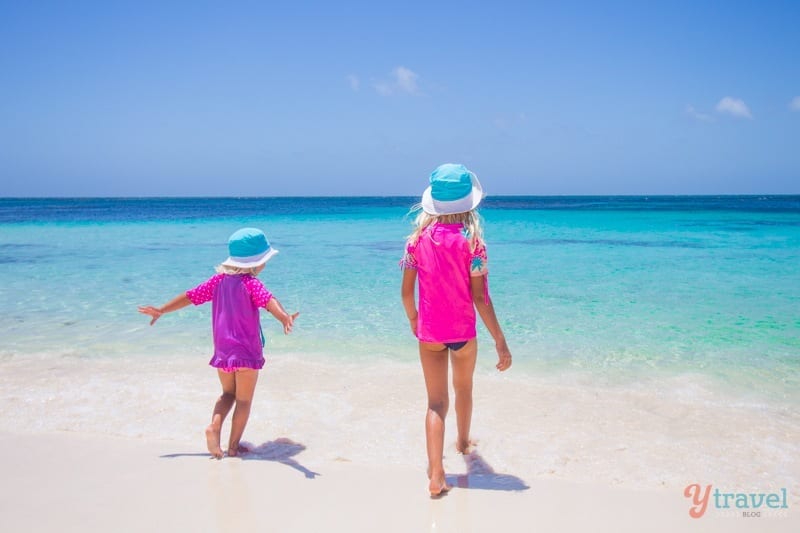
[
  {"x": 438, "y": 485},
  {"x": 236, "y": 449},
  {"x": 465, "y": 447},
  {"x": 212, "y": 441}
]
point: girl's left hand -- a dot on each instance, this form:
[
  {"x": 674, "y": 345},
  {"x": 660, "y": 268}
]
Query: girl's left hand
[
  {"x": 150, "y": 311},
  {"x": 412, "y": 322}
]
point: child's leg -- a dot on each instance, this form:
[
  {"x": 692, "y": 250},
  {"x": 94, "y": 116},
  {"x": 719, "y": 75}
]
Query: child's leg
[
  {"x": 245, "y": 388},
  {"x": 463, "y": 361},
  {"x": 221, "y": 410},
  {"x": 434, "y": 366}
]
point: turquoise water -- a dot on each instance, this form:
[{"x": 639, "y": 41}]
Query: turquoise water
[{"x": 605, "y": 289}]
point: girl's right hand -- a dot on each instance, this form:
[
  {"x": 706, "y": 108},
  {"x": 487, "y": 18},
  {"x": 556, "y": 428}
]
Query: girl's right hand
[
  {"x": 503, "y": 356},
  {"x": 288, "y": 322}
]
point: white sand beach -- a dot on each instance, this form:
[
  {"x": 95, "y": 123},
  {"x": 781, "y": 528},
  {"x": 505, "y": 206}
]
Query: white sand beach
[
  {"x": 66, "y": 482},
  {"x": 99, "y": 445}
]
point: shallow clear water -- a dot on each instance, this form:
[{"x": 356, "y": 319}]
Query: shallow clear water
[{"x": 613, "y": 288}]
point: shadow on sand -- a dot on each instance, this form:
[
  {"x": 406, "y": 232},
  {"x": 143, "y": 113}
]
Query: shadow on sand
[
  {"x": 482, "y": 476},
  {"x": 280, "y": 450}
]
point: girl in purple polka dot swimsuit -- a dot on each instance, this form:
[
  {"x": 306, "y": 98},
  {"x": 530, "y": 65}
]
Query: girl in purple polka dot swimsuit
[{"x": 236, "y": 296}]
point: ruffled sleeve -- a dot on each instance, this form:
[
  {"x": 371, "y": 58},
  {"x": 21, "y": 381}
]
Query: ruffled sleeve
[
  {"x": 259, "y": 294},
  {"x": 409, "y": 260},
  {"x": 205, "y": 291},
  {"x": 479, "y": 266},
  {"x": 479, "y": 261}
]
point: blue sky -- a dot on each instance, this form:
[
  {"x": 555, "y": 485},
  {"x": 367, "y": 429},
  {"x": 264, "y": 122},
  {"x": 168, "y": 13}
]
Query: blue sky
[{"x": 366, "y": 98}]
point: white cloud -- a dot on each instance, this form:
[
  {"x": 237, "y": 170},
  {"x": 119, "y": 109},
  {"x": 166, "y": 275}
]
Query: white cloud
[
  {"x": 735, "y": 107},
  {"x": 383, "y": 88},
  {"x": 406, "y": 79},
  {"x": 794, "y": 105},
  {"x": 354, "y": 82},
  {"x": 697, "y": 115},
  {"x": 402, "y": 80}
]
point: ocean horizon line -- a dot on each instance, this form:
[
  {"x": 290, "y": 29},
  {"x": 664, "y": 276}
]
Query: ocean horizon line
[
  {"x": 94, "y": 209},
  {"x": 403, "y": 196}
]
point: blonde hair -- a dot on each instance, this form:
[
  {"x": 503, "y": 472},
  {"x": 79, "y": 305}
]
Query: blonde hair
[
  {"x": 233, "y": 271},
  {"x": 471, "y": 220}
]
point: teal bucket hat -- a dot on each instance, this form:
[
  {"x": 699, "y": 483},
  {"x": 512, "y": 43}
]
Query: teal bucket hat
[
  {"x": 248, "y": 248},
  {"x": 453, "y": 189}
]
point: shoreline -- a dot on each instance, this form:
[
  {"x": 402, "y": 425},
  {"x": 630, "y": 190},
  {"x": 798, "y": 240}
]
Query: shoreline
[
  {"x": 101, "y": 483},
  {"x": 663, "y": 436}
]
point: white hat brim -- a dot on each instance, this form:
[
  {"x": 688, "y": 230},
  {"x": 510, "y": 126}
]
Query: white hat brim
[
  {"x": 250, "y": 262},
  {"x": 453, "y": 207}
]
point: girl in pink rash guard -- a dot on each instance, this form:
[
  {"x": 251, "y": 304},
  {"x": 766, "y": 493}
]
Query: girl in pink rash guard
[
  {"x": 237, "y": 296},
  {"x": 446, "y": 262}
]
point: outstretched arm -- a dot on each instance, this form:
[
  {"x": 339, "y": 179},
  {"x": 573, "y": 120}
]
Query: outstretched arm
[
  {"x": 276, "y": 309},
  {"x": 486, "y": 311},
  {"x": 409, "y": 301},
  {"x": 179, "y": 302}
]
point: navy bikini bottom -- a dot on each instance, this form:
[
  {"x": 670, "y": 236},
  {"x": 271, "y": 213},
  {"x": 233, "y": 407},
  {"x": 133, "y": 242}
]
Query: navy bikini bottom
[{"x": 455, "y": 346}]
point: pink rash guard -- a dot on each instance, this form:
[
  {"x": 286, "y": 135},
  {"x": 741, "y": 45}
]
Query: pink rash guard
[{"x": 445, "y": 263}]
